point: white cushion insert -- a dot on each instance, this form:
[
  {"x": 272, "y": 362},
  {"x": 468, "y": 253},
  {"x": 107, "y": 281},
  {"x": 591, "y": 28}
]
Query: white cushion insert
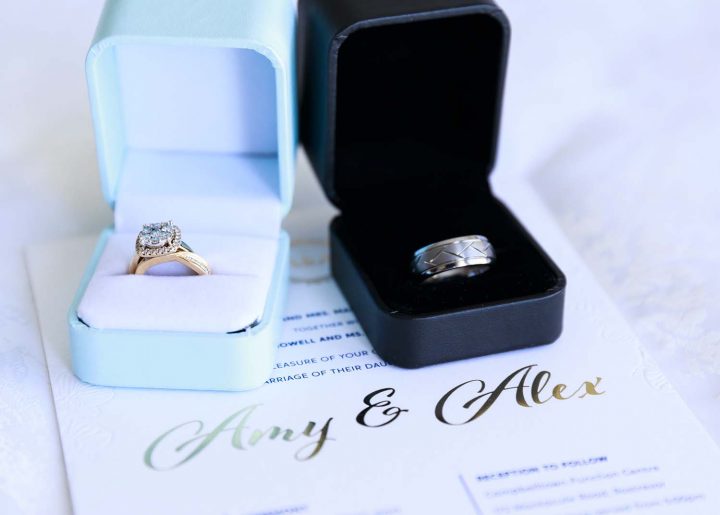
[{"x": 229, "y": 300}]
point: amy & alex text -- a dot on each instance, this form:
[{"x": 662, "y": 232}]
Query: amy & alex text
[{"x": 463, "y": 404}]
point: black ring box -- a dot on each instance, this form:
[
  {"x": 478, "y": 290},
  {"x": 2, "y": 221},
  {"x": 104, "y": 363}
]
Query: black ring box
[{"x": 400, "y": 113}]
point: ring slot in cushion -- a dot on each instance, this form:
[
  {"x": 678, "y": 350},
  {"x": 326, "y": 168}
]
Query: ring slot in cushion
[{"x": 229, "y": 300}]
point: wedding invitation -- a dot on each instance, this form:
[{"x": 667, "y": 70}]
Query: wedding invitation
[{"x": 587, "y": 425}]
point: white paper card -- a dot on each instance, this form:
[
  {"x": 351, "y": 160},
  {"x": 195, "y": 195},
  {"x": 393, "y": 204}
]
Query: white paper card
[{"x": 586, "y": 425}]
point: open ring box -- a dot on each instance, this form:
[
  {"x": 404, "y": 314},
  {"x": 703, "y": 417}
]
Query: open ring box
[
  {"x": 400, "y": 110},
  {"x": 194, "y": 112}
]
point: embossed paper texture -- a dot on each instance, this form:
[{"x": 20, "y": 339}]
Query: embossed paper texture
[
  {"x": 30, "y": 452},
  {"x": 574, "y": 427}
]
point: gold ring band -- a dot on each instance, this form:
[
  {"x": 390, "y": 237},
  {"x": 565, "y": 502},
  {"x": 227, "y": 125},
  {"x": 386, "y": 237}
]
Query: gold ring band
[{"x": 196, "y": 263}]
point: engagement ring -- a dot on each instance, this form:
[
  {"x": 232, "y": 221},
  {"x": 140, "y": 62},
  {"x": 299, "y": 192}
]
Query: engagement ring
[{"x": 160, "y": 243}]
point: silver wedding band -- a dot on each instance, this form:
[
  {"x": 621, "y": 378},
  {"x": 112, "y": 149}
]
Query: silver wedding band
[{"x": 464, "y": 254}]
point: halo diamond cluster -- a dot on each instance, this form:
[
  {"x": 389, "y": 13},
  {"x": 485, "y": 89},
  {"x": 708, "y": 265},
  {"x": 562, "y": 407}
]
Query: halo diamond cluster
[{"x": 158, "y": 239}]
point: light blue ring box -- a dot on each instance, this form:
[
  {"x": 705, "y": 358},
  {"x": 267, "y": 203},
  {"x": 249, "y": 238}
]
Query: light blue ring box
[{"x": 265, "y": 28}]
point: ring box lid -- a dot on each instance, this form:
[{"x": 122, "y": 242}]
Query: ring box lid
[
  {"x": 401, "y": 100},
  {"x": 194, "y": 112}
]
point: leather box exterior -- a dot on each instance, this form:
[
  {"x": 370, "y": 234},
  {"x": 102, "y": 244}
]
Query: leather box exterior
[
  {"x": 234, "y": 361},
  {"x": 403, "y": 334}
]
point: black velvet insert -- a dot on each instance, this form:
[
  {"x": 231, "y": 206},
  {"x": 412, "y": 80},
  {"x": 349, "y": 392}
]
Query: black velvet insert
[
  {"x": 383, "y": 247},
  {"x": 417, "y": 107},
  {"x": 417, "y": 116}
]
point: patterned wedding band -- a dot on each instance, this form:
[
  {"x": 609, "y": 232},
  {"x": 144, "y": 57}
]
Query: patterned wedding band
[
  {"x": 453, "y": 255},
  {"x": 161, "y": 243}
]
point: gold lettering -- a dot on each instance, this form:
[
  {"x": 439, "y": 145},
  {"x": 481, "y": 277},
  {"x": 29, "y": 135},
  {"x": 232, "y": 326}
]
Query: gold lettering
[
  {"x": 148, "y": 458},
  {"x": 537, "y": 387},
  {"x": 488, "y": 398},
  {"x": 558, "y": 390},
  {"x": 592, "y": 388},
  {"x": 193, "y": 440},
  {"x": 315, "y": 447},
  {"x": 274, "y": 433},
  {"x": 492, "y": 396}
]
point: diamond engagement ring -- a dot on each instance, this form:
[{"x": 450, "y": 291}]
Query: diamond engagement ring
[
  {"x": 160, "y": 243},
  {"x": 466, "y": 255}
]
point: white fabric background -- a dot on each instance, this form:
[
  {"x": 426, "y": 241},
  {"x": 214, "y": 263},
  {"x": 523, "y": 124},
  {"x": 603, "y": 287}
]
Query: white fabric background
[{"x": 612, "y": 112}]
